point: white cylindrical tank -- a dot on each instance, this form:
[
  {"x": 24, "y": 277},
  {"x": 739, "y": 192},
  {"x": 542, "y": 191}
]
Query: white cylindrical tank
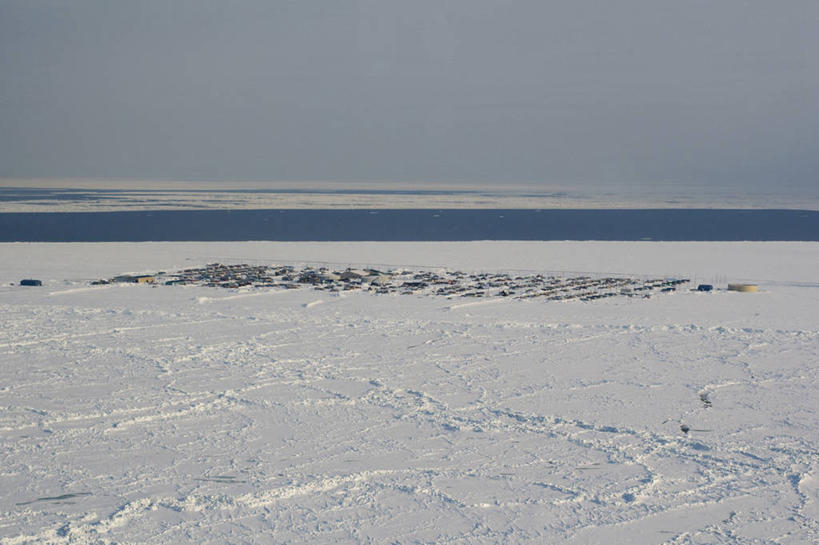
[{"x": 743, "y": 287}]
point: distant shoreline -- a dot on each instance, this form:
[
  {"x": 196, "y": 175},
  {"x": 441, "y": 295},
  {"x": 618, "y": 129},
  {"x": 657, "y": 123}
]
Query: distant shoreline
[{"x": 22, "y": 197}]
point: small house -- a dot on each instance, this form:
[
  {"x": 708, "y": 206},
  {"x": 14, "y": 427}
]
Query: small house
[
  {"x": 135, "y": 279},
  {"x": 350, "y": 275}
]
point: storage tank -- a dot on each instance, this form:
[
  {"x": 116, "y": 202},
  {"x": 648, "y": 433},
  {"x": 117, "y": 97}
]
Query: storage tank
[{"x": 743, "y": 287}]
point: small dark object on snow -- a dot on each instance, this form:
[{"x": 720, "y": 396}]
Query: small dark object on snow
[
  {"x": 685, "y": 429},
  {"x": 30, "y": 282},
  {"x": 705, "y": 287}
]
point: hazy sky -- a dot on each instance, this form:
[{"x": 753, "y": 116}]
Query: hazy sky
[{"x": 722, "y": 92}]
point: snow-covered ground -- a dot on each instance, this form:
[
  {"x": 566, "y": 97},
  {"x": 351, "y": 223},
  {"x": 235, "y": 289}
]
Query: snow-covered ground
[{"x": 139, "y": 414}]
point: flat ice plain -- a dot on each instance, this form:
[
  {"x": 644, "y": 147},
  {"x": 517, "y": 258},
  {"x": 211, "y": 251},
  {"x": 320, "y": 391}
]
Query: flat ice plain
[{"x": 139, "y": 414}]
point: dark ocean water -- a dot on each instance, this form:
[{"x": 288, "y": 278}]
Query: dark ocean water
[{"x": 406, "y": 225}]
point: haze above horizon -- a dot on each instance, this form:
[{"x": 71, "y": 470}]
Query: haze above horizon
[{"x": 592, "y": 96}]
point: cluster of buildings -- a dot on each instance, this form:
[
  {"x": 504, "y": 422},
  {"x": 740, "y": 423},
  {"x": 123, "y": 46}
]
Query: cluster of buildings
[{"x": 440, "y": 283}]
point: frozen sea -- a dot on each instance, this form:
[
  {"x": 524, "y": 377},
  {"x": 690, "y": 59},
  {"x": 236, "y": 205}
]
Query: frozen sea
[{"x": 139, "y": 414}]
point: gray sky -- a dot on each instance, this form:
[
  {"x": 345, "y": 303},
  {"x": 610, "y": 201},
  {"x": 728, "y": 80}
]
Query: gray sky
[{"x": 556, "y": 92}]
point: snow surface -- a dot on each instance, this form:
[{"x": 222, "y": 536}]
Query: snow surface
[{"x": 139, "y": 414}]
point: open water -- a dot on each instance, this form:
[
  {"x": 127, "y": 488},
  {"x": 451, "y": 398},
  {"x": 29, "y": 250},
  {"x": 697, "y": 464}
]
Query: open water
[{"x": 415, "y": 225}]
